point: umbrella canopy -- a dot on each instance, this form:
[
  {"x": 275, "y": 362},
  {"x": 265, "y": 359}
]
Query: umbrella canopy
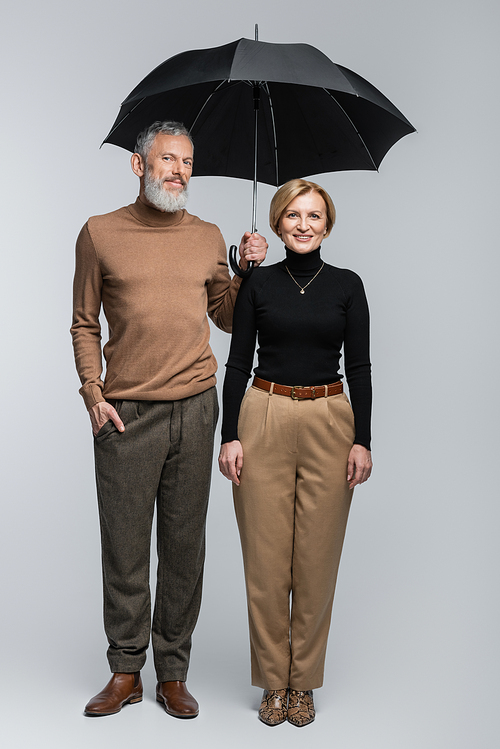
[
  {"x": 267, "y": 112},
  {"x": 314, "y": 116}
]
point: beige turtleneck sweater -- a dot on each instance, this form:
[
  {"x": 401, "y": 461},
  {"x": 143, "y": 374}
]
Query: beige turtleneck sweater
[{"x": 156, "y": 275}]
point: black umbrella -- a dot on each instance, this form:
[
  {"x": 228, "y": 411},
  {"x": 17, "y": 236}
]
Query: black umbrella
[{"x": 267, "y": 112}]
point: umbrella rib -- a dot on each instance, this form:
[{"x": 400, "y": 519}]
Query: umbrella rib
[
  {"x": 353, "y": 125},
  {"x": 122, "y": 120},
  {"x": 266, "y": 89},
  {"x": 226, "y": 80}
]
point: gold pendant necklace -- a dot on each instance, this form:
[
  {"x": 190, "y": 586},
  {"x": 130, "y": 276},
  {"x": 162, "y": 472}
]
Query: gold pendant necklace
[{"x": 303, "y": 288}]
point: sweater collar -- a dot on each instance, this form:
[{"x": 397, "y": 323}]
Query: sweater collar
[
  {"x": 153, "y": 217},
  {"x": 309, "y": 262}
]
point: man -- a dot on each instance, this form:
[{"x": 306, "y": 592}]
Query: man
[{"x": 157, "y": 271}]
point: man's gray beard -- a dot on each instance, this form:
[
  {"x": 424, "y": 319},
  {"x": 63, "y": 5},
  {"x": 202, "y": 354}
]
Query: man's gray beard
[{"x": 164, "y": 200}]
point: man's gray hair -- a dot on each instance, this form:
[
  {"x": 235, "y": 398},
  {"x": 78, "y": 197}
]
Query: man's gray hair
[{"x": 146, "y": 137}]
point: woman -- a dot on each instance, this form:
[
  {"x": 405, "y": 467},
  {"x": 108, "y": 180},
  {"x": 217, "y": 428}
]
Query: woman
[{"x": 295, "y": 451}]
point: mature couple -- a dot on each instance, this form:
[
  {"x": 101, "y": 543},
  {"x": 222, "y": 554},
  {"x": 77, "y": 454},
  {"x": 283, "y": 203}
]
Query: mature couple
[{"x": 157, "y": 271}]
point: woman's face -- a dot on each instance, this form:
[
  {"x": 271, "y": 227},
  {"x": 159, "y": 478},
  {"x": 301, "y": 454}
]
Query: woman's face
[{"x": 303, "y": 223}]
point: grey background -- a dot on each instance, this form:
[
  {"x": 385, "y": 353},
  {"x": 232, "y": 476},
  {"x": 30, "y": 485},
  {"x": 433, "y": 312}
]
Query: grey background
[{"x": 413, "y": 656}]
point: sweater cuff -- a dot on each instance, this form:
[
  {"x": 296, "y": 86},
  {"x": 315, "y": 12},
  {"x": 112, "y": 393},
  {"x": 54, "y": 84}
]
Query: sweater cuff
[
  {"x": 91, "y": 395},
  {"x": 363, "y": 443}
]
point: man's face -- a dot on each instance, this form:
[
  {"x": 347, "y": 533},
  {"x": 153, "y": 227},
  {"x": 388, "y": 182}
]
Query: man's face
[
  {"x": 166, "y": 173},
  {"x": 171, "y": 161}
]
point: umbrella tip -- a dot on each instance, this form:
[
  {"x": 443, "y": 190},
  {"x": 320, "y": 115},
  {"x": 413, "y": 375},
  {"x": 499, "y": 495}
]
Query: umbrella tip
[{"x": 256, "y": 32}]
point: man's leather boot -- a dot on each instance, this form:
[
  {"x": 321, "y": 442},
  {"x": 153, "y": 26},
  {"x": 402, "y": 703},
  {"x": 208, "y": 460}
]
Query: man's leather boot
[
  {"x": 122, "y": 689},
  {"x": 176, "y": 699}
]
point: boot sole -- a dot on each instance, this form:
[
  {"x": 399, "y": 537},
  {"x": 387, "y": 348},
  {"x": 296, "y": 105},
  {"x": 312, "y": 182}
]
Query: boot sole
[
  {"x": 132, "y": 701},
  {"x": 176, "y": 715}
]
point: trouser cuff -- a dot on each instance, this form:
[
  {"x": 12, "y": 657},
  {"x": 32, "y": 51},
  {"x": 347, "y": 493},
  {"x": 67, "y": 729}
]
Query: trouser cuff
[{"x": 126, "y": 665}]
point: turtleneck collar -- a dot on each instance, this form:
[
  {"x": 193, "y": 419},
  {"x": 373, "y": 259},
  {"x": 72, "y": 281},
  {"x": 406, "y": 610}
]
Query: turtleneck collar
[
  {"x": 311, "y": 261},
  {"x": 153, "y": 217}
]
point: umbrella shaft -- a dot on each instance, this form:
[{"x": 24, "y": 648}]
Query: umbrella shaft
[
  {"x": 254, "y": 203},
  {"x": 256, "y": 104}
]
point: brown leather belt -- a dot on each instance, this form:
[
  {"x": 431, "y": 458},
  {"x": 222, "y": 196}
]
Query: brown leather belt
[{"x": 297, "y": 392}]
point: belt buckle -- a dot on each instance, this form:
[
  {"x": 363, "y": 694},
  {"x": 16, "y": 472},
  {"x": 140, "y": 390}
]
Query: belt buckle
[{"x": 292, "y": 394}]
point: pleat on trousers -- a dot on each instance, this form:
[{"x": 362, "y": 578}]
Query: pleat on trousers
[{"x": 292, "y": 508}]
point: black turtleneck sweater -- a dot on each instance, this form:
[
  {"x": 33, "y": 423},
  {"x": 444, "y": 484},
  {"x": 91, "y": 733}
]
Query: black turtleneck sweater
[{"x": 300, "y": 336}]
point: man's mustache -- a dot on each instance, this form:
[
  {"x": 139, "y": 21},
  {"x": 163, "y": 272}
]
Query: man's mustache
[{"x": 177, "y": 179}]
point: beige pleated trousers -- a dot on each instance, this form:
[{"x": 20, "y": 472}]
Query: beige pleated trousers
[{"x": 292, "y": 507}]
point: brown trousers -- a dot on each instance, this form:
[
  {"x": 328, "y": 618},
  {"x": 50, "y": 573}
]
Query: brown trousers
[{"x": 292, "y": 507}]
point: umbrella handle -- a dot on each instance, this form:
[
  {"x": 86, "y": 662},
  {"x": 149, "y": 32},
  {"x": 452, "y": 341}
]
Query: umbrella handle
[{"x": 234, "y": 264}]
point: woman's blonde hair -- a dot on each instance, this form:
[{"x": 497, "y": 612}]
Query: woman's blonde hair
[{"x": 288, "y": 192}]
